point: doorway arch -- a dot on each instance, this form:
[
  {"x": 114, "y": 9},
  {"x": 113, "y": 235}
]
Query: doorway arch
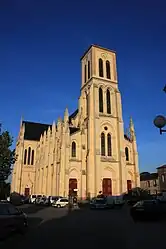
[{"x": 107, "y": 186}]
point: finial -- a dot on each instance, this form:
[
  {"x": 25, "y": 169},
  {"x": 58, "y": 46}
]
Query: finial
[
  {"x": 59, "y": 120},
  {"x": 21, "y": 120},
  {"x": 66, "y": 112},
  {"x": 131, "y": 122}
]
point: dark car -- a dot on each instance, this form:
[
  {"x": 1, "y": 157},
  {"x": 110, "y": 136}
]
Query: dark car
[
  {"x": 11, "y": 220},
  {"x": 146, "y": 210},
  {"x": 98, "y": 203}
]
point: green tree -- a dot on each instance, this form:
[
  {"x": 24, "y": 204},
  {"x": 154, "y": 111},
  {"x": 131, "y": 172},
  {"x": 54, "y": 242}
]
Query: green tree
[{"x": 7, "y": 159}]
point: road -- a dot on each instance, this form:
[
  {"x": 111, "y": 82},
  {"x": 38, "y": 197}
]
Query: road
[{"x": 54, "y": 228}]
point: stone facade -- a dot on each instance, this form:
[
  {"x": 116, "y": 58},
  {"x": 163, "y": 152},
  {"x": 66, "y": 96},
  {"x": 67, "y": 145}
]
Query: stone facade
[
  {"x": 86, "y": 151},
  {"x": 150, "y": 182},
  {"x": 162, "y": 177}
]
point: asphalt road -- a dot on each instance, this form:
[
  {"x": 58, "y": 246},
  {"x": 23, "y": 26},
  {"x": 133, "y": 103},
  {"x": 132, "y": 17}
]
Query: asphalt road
[{"x": 54, "y": 228}]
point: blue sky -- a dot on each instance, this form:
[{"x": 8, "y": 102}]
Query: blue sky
[{"x": 41, "y": 43}]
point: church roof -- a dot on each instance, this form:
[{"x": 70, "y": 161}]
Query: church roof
[
  {"x": 33, "y": 130},
  {"x": 73, "y": 115},
  {"x": 73, "y": 129},
  {"x": 127, "y": 137}
]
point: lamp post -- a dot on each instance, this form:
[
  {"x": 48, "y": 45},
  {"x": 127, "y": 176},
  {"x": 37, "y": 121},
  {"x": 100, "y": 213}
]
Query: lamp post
[{"x": 160, "y": 122}]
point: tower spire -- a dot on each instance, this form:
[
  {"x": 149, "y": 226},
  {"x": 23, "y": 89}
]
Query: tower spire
[{"x": 132, "y": 130}]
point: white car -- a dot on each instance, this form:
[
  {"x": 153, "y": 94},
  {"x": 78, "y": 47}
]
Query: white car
[
  {"x": 52, "y": 199},
  {"x": 32, "y": 198},
  {"x": 61, "y": 202}
]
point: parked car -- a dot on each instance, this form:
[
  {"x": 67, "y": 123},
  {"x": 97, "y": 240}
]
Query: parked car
[
  {"x": 52, "y": 199},
  {"x": 146, "y": 210},
  {"x": 32, "y": 199},
  {"x": 40, "y": 200},
  {"x": 11, "y": 220},
  {"x": 99, "y": 203},
  {"x": 61, "y": 202}
]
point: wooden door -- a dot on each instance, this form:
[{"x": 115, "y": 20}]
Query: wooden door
[
  {"x": 27, "y": 192},
  {"x": 129, "y": 185},
  {"x": 107, "y": 186},
  {"x": 72, "y": 185}
]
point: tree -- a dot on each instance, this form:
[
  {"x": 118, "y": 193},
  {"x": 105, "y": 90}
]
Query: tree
[{"x": 7, "y": 158}]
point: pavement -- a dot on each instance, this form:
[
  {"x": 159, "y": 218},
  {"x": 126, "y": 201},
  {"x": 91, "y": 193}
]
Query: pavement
[{"x": 84, "y": 228}]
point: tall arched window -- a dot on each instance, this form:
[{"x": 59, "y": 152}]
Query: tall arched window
[
  {"x": 100, "y": 100},
  {"x": 127, "y": 154},
  {"x": 73, "y": 149},
  {"x": 108, "y": 72},
  {"x": 88, "y": 69},
  {"x": 102, "y": 144},
  {"x": 85, "y": 73},
  {"x": 25, "y": 156},
  {"x": 109, "y": 145},
  {"x": 29, "y": 155},
  {"x": 32, "y": 157},
  {"x": 101, "y": 67},
  {"x": 108, "y": 102}
]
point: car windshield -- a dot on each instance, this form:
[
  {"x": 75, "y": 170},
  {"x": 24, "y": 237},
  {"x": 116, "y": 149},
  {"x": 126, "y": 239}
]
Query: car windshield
[
  {"x": 3, "y": 209},
  {"x": 33, "y": 196},
  {"x": 100, "y": 201}
]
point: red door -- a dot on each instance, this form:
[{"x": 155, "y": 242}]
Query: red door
[
  {"x": 107, "y": 186},
  {"x": 72, "y": 185},
  {"x": 26, "y": 191},
  {"x": 129, "y": 185}
]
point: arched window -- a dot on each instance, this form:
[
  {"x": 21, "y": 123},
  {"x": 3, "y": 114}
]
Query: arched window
[
  {"x": 102, "y": 144},
  {"x": 32, "y": 157},
  {"x": 127, "y": 154},
  {"x": 100, "y": 100},
  {"x": 88, "y": 69},
  {"x": 73, "y": 149},
  {"x": 25, "y": 156},
  {"x": 108, "y": 72},
  {"x": 29, "y": 155},
  {"x": 108, "y": 102},
  {"x": 100, "y": 67},
  {"x": 109, "y": 145},
  {"x": 85, "y": 73}
]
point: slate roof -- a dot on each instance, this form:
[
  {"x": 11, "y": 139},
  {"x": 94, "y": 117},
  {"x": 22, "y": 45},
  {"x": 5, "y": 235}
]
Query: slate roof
[
  {"x": 73, "y": 130},
  {"x": 127, "y": 138},
  {"x": 33, "y": 130},
  {"x": 73, "y": 115},
  {"x": 162, "y": 167},
  {"x": 146, "y": 176}
]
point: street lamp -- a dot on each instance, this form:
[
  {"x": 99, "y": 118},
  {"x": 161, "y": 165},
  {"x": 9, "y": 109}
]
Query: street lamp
[{"x": 160, "y": 122}]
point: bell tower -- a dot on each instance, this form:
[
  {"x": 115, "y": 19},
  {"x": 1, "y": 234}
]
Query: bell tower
[
  {"x": 98, "y": 63},
  {"x": 101, "y": 102}
]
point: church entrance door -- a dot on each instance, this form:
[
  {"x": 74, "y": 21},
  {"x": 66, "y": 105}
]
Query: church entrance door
[
  {"x": 107, "y": 186},
  {"x": 129, "y": 185},
  {"x": 27, "y": 192},
  {"x": 72, "y": 186}
]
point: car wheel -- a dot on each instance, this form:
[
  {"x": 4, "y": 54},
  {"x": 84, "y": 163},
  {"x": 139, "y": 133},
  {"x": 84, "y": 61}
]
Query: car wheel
[{"x": 58, "y": 206}]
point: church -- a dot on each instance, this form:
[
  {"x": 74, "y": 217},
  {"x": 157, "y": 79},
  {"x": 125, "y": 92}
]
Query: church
[{"x": 87, "y": 151}]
